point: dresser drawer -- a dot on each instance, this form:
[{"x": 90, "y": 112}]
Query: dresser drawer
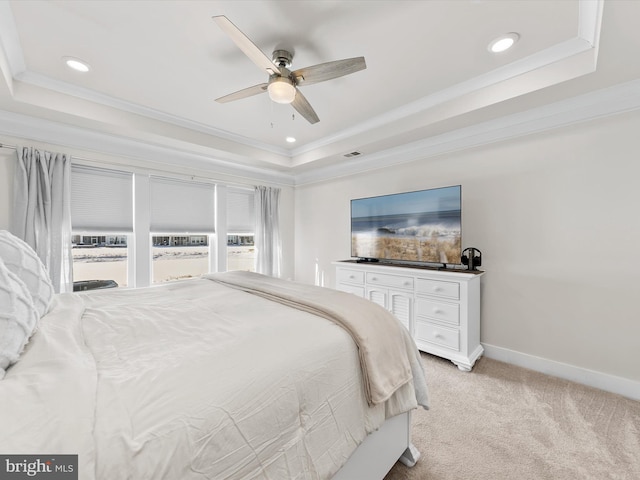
[
  {"x": 350, "y": 276},
  {"x": 438, "y": 335},
  {"x": 443, "y": 312},
  {"x": 394, "y": 281},
  {"x": 438, "y": 288}
]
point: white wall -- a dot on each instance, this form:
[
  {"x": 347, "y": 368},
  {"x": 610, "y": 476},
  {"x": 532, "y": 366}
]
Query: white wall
[
  {"x": 7, "y": 165},
  {"x": 556, "y": 216}
]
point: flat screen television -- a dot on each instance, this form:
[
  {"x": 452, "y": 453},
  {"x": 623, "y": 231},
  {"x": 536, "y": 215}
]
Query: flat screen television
[{"x": 423, "y": 226}]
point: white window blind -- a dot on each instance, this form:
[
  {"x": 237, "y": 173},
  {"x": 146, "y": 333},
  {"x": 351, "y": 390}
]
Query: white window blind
[
  {"x": 101, "y": 200},
  {"x": 240, "y": 211},
  {"x": 178, "y": 206}
]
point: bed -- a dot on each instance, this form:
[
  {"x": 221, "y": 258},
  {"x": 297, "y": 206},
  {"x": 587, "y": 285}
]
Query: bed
[{"x": 227, "y": 376}]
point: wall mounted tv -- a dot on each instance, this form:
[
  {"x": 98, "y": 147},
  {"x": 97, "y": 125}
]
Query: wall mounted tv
[{"x": 423, "y": 226}]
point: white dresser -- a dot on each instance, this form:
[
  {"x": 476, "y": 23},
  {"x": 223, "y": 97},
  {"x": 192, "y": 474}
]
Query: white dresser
[{"x": 440, "y": 308}]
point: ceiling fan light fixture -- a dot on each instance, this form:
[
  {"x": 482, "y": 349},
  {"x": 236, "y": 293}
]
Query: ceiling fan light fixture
[
  {"x": 503, "y": 42},
  {"x": 281, "y": 90}
]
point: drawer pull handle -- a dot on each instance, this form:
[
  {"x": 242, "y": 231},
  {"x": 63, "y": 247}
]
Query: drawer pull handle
[
  {"x": 437, "y": 289},
  {"x": 351, "y": 276},
  {"x": 437, "y": 311},
  {"x": 437, "y": 335},
  {"x": 407, "y": 283},
  {"x": 374, "y": 279}
]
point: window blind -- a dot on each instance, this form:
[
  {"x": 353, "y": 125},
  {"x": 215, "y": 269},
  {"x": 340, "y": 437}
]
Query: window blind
[
  {"x": 240, "y": 211},
  {"x": 178, "y": 206},
  {"x": 101, "y": 200}
]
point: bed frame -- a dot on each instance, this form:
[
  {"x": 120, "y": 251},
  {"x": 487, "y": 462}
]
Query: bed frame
[{"x": 377, "y": 454}]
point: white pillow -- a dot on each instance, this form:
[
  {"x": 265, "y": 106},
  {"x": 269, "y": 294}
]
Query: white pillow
[
  {"x": 18, "y": 317},
  {"x": 23, "y": 261}
]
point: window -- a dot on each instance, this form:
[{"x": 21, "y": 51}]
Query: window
[
  {"x": 179, "y": 256},
  {"x": 240, "y": 229},
  {"x": 182, "y": 220},
  {"x": 101, "y": 222},
  {"x": 99, "y": 257},
  {"x": 137, "y": 229}
]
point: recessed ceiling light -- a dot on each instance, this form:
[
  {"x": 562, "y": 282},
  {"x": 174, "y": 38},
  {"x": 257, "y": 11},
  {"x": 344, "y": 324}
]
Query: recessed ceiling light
[
  {"x": 76, "y": 64},
  {"x": 290, "y": 139},
  {"x": 503, "y": 42}
]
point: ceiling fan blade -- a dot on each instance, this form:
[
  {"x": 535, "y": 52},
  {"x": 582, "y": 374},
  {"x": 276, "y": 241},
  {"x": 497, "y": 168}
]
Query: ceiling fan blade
[
  {"x": 304, "y": 108},
  {"x": 244, "y": 93},
  {"x": 329, "y": 70},
  {"x": 247, "y": 46}
]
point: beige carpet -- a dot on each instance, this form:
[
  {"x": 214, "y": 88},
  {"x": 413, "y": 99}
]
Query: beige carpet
[{"x": 505, "y": 422}]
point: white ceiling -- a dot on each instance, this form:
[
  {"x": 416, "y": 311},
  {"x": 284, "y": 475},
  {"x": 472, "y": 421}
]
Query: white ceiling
[{"x": 157, "y": 66}]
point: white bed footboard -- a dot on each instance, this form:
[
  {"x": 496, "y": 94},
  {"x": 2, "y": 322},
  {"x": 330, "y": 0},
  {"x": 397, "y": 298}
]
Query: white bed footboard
[{"x": 381, "y": 450}]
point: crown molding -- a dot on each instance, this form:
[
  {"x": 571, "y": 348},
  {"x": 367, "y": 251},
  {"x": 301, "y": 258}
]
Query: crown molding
[
  {"x": 14, "y": 68},
  {"x": 68, "y": 136},
  {"x": 11, "y": 58},
  {"x": 610, "y": 101},
  {"x": 587, "y": 35},
  {"x": 602, "y": 103},
  {"x": 589, "y": 22},
  {"x": 582, "y": 108},
  {"x": 65, "y": 88},
  {"x": 541, "y": 59},
  {"x": 606, "y": 102}
]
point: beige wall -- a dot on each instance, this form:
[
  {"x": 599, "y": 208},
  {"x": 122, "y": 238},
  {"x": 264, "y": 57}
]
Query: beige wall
[{"x": 556, "y": 216}]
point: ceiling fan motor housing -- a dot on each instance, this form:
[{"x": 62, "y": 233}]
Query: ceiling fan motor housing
[{"x": 282, "y": 58}]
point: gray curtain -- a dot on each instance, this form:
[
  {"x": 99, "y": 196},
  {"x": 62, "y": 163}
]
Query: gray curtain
[
  {"x": 267, "y": 233},
  {"x": 42, "y": 212}
]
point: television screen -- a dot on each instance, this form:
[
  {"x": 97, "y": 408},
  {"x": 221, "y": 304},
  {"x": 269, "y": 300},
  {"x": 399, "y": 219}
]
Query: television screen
[{"x": 423, "y": 226}]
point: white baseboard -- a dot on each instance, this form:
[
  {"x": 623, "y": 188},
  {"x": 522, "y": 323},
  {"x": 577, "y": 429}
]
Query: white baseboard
[{"x": 610, "y": 383}]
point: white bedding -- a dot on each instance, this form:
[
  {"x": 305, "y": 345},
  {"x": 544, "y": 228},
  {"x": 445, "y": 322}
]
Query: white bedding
[{"x": 189, "y": 380}]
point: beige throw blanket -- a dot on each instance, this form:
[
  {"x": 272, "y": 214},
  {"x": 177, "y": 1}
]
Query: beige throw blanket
[{"x": 386, "y": 357}]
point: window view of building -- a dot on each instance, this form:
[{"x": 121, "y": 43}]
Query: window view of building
[
  {"x": 180, "y": 240},
  {"x": 179, "y": 256},
  {"x": 241, "y": 216},
  {"x": 241, "y": 252},
  {"x": 99, "y": 257}
]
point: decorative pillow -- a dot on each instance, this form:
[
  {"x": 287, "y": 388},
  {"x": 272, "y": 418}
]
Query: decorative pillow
[
  {"x": 24, "y": 262},
  {"x": 18, "y": 317}
]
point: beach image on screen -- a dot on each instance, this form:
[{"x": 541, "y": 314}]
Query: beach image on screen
[{"x": 423, "y": 226}]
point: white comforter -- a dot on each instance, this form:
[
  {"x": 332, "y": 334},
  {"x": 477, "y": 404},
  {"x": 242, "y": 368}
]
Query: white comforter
[{"x": 189, "y": 380}]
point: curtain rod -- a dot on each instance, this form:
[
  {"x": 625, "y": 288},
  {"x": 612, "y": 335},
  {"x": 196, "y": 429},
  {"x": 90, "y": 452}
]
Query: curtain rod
[
  {"x": 13, "y": 147},
  {"x": 73, "y": 157}
]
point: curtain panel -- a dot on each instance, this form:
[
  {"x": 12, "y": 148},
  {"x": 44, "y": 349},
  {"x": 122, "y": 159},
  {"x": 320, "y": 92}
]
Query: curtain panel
[
  {"x": 42, "y": 213},
  {"x": 267, "y": 233}
]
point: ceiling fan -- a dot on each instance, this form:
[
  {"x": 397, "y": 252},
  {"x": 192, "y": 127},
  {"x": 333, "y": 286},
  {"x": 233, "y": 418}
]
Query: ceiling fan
[{"x": 283, "y": 83}]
